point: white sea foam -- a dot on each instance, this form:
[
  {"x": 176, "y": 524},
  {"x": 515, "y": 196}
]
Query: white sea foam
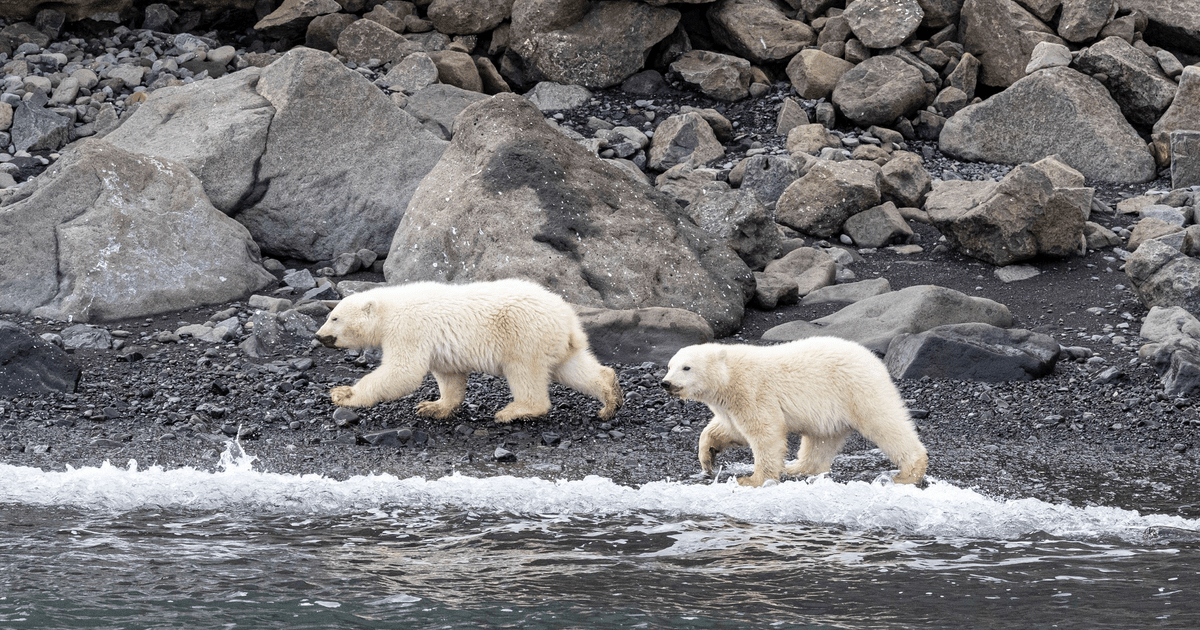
[{"x": 941, "y": 509}]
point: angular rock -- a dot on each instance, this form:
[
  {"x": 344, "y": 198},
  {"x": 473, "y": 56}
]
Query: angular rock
[
  {"x": 1002, "y": 35},
  {"x": 276, "y": 333},
  {"x": 549, "y": 96},
  {"x": 31, "y": 365},
  {"x": 879, "y": 90},
  {"x": 806, "y": 267},
  {"x": 458, "y": 69},
  {"x": 878, "y": 226},
  {"x": 905, "y": 181},
  {"x": 1175, "y": 22},
  {"x": 85, "y": 337},
  {"x": 883, "y": 23},
  {"x": 771, "y": 291},
  {"x": 293, "y": 17},
  {"x": 741, "y": 220},
  {"x": 1053, "y": 111},
  {"x": 105, "y": 234},
  {"x": 513, "y": 197},
  {"x": 467, "y": 17},
  {"x": 1163, "y": 276},
  {"x": 1185, "y": 158},
  {"x": 767, "y": 176},
  {"x": 639, "y": 335},
  {"x": 683, "y": 138},
  {"x": 820, "y": 202},
  {"x": 362, "y": 40},
  {"x": 875, "y": 321},
  {"x": 303, "y": 198},
  {"x": 791, "y": 115},
  {"x": 972, "y": 352},
  {"x": 849, "y": 292},
  {"x": 35, "y": 128},
  {"x": 811, "y": 139},
  {"x": 1081, "y": 20},
  {"x": 436, "y": 106},
  {"x": 1185, "y": 109},
  {"x": 323, "y": 31},
  {"x": 758, "y": 30},
  {"x": 1135, "y": 81},
  {"x": 597, "y": 49},
  {"x": 1048, "y": 55},
  {"x": 723, "y": 77},
  {"x": 965, "y": 75},
  {"x": 413, "y": 74}
]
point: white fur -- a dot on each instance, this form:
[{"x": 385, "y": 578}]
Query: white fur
[
  {"x": 822, "y": 388},
  {"x": 510, "y": 328}
]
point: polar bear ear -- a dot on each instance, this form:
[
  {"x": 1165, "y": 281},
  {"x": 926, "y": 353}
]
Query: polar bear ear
[{"x": 367, "y": 307}]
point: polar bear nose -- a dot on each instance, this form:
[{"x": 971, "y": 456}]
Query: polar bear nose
[
  {"x": 329, "y": 341},
  {"x": 670, "y": 387}
]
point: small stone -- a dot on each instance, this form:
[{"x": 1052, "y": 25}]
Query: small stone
[{"x": 504, "y": 455}]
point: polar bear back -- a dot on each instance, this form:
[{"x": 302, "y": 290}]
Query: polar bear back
[{"x": 475, "y": 327}]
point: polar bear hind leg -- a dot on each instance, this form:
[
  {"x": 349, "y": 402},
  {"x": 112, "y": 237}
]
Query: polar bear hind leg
[
  {"x": 897, "y": 438},
  {"x": 583, "y": 373},
  {"x": 452, "y": 387},
  {"x": 816, "y": 453},
  {"x": 530, "y": 386}
]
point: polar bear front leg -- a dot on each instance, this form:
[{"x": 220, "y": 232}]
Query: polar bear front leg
[
  {"x": 452, "y": 388},
  {"x": 767, "y": 437},
  {"x": 389, "y": 381},
  {"x": 718, "y": 435}
]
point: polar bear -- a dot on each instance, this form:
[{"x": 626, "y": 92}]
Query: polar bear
[
  {"x": 821, "y": 387},
  {"x": 511, "y": 328}
]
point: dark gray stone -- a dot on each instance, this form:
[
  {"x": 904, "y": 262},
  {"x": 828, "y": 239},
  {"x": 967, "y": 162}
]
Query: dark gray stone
[
  {"x": 972, "y": 352},
  {"x": 31, "y": 365}
]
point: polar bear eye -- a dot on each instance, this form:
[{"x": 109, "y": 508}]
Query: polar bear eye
[{"x": 686, "y": 368}]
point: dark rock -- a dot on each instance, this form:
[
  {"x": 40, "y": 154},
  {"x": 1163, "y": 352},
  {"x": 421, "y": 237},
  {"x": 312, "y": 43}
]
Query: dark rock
[
  {"x": 972, "y": 352},
  {"x": 31, "y": 365}
]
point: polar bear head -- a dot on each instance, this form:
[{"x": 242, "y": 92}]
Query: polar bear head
[
  {"x": 351, "y": 324},
  {"x": 698, "y": 373}
]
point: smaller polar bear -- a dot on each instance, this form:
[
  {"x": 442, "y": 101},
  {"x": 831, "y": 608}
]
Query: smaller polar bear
[
  {"x": 510, "y": 328},
  {"x": 822, "y": 388}
]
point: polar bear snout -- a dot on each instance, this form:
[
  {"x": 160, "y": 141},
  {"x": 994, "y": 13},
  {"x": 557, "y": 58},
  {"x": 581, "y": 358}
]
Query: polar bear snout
[
  {"x": 329, "y": 341},
  {"x": 671, "y": 388}
]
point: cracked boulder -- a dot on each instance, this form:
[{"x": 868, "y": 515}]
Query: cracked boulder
[{"x": 513, "y": 197}]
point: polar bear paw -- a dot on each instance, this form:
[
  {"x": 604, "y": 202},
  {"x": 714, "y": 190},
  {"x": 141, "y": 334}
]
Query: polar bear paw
[
  {"x": 343, "y": 396},
  {"x": 434, "y": 409}
]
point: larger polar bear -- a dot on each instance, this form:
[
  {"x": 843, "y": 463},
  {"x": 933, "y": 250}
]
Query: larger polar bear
[
  {"x": 822, "y": 388},
  {"x": 511, "y": 328}
]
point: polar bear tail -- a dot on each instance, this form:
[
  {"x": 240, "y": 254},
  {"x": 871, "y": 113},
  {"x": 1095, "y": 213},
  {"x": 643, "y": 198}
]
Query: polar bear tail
[{"x": 583, "y": 373}]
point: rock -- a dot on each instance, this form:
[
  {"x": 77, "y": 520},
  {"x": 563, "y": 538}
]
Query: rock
[
  {"x": 513, "y": 197},
  {"x": 850, "y": 292},
  {"x": 394, "y": 438},
  {"x": 965, "y": 75},
  {"x": 721, "y": 126},
  {"x": 1174, "y": 22},
  {"x": 504, "y": 455},
  {"x": 548, "y": 96},
  {"x": 741, "y": 220},
  {"x": 878, "y": 226},
  {"x": 1163, "y": 276},
  {"x": 83, "y": 336},
  {"x": 1002, "y": 35},
  {"x": 30, "y": 365},
  {"x": 683, "y": 138},
  {"x": 875, "y": 321},
  {"x": 1015, "y": 273},
  {"x": 972, "y": 352},
  {"x": 1169, "y": 324},
  {"x": 831, "y": 192},
  {"x": 811, "y": 139},
  {"x": 217, "y": 129},
  {"x": 106, "y": 234},
  {"x": 1048, "y": 55},
  {"x": 292, "y": 17},
  {"x": 684, "y": 183},
  {"x": 1081, "y": 20},
  {"x": 458, "y": 69},
  {"x": 393, "y": 14},
  {"x": 774, "y": 290},
  {"x": 593, "y": 47},
  {"x": 806, "y": 267},
  {"x": 363, "y": 40},
  {"x": 642, "y": 334},
  {"x": 791, "y": 115},
  {"x": 1100, "y": 237},
  {"x": 879, "y": 90},
  {"x": 1061, "y": 175},
  {"x": 464, "y": 17},
  {"x": 412, "y": 74},
  {"x": 1135, "y": 81},
  {"x": 950, "y": 101},
  {"x": 1030, "y": 121},
  {"x": 767, "y": 176},
  {"x": 277, "y": 333},
  {"x": 36, "y": 128},
  {"x": 723, "y": 77},
  {"x": 1185, "y": 108},
  {"x": 323, "y": 31},
  {"x": 437, "y": 106},
  {"x": 1150, "y": 228},
  {"x": 883, "y": 23},
  {"x": 1169, "y": 63},
  {"x": 758, "y": 30},
  {"x": 623, "y": 141},
  {"x": 1019, "y": 218},
  {"x": 905, "y": 181},
  {"x": 1185, "y": 158}
]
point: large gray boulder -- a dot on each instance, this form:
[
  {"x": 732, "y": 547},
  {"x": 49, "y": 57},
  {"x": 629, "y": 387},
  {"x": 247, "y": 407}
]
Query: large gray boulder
[
  {"x": 879, "y": 90},
  {"x": 1176, "y": 22},
  {"x": 1020, "y": 217},
  {"x": 1184, "y": 111},
  {"x": 639, "y": 335},
  {"x": 105, "y": 234},
  {"x": 723, "y": 77},
  {"x": 1163, "y": 276},
  {"x": 1002, "y": 35},
  {"x": 883, "y": 23},
  {"x": 1082, "y": 20},
  {"x": 758, "y": 30},
  {"x": 513, "y": 197},
  {"x": 217, "y": 129},
  {"x": 467, "y": 17},
  {"x": 1052, "y": 111},
  {"x": 31, "y": 365},
  {"x": 972, "y": 352},
  {"x": 597, "y": 49},
  {"x": 1136, "y": 82},
  {"x": 313, "y": 203},
  {"x": 741, "y": 220},
  {"x": 683, "y": 139},
  {"x": 437, "y": 105},
  {"x": 831, "y": 192},
  {"x": 875, "y": 321}
]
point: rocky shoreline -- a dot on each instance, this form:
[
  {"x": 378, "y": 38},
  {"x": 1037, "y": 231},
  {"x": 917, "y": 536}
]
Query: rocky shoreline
[{"x": 695, "y": 192}]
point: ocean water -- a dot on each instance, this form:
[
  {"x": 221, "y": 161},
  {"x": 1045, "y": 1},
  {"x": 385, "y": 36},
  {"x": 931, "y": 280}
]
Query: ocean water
[{"x": 234, "y": 547}]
